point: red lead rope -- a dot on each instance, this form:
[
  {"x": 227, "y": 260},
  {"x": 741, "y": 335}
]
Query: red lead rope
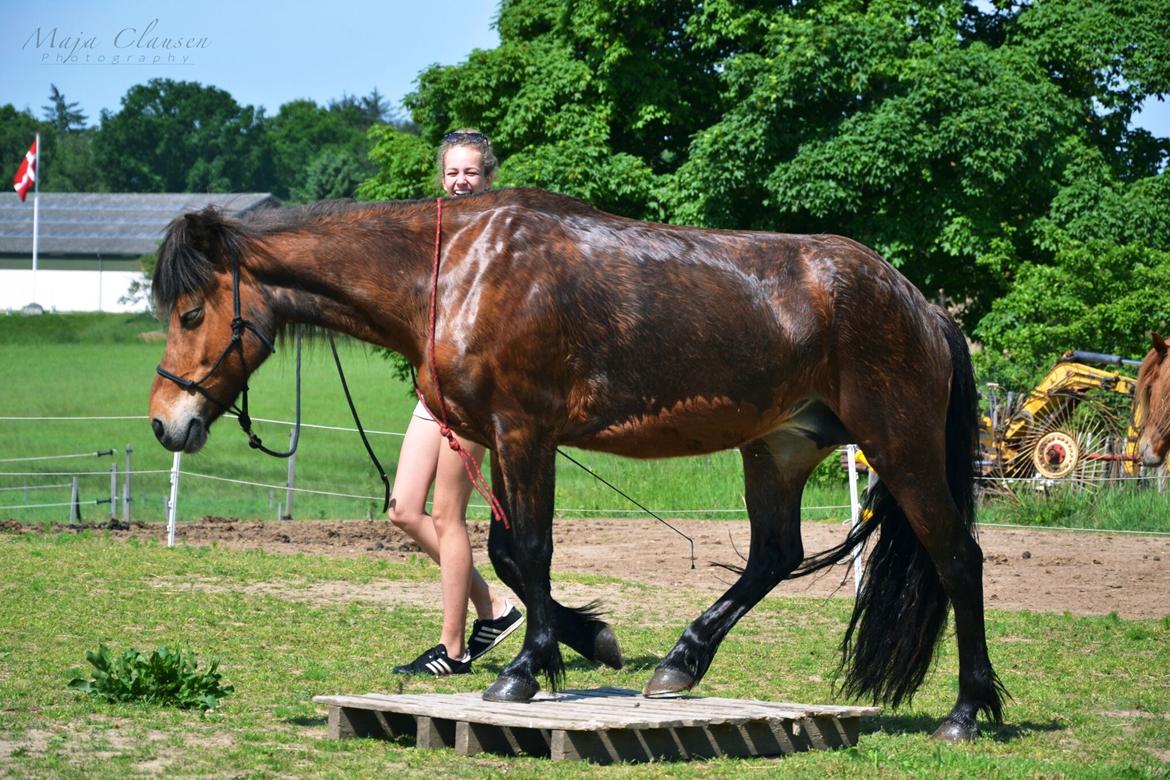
[{"x": 473, "y": 471}]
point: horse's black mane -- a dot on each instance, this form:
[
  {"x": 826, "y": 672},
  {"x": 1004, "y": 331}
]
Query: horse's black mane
[
  {"x": 196, "y": 242},
  {"x": 193, "y": 242}
]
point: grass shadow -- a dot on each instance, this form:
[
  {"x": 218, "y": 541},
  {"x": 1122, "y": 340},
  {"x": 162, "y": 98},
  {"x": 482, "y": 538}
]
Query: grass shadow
[
  {"x": 922, "y": 724},
  {"x": 308, "y": 721},
  {"x": 578, "y": 664},
  {"x": 634, "y": 664}
]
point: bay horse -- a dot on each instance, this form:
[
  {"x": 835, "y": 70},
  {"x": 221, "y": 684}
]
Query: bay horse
[
  {"x": 558, "y": 324},
  {"x": 1153, "y": 401}
]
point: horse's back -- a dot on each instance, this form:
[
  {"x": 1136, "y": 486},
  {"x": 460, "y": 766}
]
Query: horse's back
[{"x": 681, "y": 340}]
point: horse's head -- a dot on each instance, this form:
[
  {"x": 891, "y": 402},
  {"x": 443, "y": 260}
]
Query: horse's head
[
  {"x": 1153, "y": 398},
  {"x": 219, "y": 328}
]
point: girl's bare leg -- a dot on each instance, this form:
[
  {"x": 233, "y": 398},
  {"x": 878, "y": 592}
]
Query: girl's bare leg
[{"x": 418, "y": 464}]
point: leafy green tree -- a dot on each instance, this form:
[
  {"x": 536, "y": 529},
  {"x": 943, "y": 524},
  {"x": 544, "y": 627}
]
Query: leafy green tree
[
  {"x": 67, "y": 161},
  {"x": 973, "y": 144},
  {"x": 1059, "y": 306},
  {"x": 61, "y": 114},
  {"x": 334, "y": 173},
  {"x": 17, "y": 131},
  {"x": 181, "y": 136},
  {"x": 404, "y": 166},
  {"x": 69, "y": 164},
  {"x": 376, "y": 109},
  {"x": 1108, "y": 283},
  {"x": 593, "y": 99},
  {"x": 298, "y": 134}
]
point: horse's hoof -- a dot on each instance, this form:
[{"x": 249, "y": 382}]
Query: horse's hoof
[
  {"x": 513, "y": 689},
  {"x": 950, "y": 731},
  {"x": 667, "y": 682},
  {"x": 606, "y": 649}
]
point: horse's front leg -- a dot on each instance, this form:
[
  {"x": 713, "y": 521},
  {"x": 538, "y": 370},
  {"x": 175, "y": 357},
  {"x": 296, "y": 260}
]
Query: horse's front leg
[
  {"x": 580, "y": 628},
  {"x": 775, "y": 469},
  {"x": 526, "y": 462}
]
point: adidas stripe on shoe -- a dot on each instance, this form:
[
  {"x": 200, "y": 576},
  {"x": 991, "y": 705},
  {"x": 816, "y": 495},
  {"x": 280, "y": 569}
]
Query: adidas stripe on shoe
[
  {"x": 486, "y": 634},
  {"x": 436, "y": 662}
]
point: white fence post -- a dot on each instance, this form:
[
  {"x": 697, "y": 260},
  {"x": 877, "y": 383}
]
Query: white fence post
[
  {"x": 74, "y": 504},
  {"x": 126, "y": 488},
  {"x": 173, "y": 504},
  {"x": 292, "y": 482},
  {"x": 855, "y": 509},
  {"x": 113, "y": 489}
]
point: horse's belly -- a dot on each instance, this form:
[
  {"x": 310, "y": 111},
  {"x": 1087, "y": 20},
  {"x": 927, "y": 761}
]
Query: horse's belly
[{"x": 694, "y": 426}]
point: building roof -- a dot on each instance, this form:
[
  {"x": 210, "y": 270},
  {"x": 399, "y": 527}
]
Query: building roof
[{"x": 107, "y": 223}]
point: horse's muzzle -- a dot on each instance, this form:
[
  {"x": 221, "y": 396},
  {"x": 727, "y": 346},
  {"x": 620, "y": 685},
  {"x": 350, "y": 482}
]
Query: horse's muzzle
[
  {"x": 1150, "y": 458},
  {"x": 189, "y": 439}
]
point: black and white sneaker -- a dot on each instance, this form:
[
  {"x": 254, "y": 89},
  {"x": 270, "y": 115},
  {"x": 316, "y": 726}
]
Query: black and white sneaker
[
  {"x": 436, "y": 662},
  {"x": 486, "y": 634}
]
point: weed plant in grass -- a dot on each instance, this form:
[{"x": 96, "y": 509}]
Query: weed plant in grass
[
  {"x": 169, "y": 676},
  {"x": 1091, "y": 694}
]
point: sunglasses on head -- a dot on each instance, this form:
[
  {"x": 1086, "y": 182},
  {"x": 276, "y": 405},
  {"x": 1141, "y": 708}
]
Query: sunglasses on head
[{"x": 459, "y": 138}]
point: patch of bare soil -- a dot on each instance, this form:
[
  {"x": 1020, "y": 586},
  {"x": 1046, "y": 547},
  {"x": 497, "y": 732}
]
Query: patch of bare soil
[{"x": 1040, "y": 570}]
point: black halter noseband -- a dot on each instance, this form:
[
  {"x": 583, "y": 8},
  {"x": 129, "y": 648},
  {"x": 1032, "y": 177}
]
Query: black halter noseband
[{"x": 239, "y": 325}]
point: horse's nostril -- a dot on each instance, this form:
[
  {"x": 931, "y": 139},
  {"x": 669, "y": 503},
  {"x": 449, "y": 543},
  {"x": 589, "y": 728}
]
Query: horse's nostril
[{"x": 157, "y": 426}]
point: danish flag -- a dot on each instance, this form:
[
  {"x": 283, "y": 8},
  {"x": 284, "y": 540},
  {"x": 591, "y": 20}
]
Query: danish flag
[{"x": 26, "y": 177}]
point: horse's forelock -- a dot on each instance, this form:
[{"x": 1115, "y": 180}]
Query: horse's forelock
[{"x": 190, "y": 251}]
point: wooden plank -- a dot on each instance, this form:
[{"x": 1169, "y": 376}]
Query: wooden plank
[
  {"x": 605, "y": 746},
  {"x": 621, "y": 694},
  {"x": 805, "y": 709},
  {"x": 472, "y": 738},
  {"x": 603, "y": 725},
  {"x": 586, "y": 712},
  {"x": 670, "y": 744},
  {"x": 347, "y": 722},
  {"x": 435, "y": 733}
]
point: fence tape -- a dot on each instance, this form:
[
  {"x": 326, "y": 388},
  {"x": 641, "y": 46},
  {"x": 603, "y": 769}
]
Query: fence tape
[
  {"x": 87, "y": 502},
  {"x": 278, "y": 487},
  {"x": 226, "y": 416},
  {"x": 97, "y": 454},
  {"x": 41, "y": 487}
]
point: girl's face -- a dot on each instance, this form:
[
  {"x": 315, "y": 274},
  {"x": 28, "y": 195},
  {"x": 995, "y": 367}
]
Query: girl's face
[{"x": 463, "y": 171}]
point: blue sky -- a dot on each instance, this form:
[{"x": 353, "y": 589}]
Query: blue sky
[{"x": 264, "y": 53}]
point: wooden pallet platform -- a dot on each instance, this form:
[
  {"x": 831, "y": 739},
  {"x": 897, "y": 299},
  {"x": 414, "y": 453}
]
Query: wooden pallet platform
[{"x": 602, "y": 725}]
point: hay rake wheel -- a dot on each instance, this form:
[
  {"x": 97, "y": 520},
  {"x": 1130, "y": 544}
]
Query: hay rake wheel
[{"x": 1074, "y": 443}]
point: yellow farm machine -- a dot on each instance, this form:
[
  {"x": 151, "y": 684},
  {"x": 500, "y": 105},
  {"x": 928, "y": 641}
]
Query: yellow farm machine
[{"x": 1078, "y": 427}]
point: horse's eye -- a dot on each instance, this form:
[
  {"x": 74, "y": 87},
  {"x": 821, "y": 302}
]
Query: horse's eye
[{"x": 190, "y": 318}]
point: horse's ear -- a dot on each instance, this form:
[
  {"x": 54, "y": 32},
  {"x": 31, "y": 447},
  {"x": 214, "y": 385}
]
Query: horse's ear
[
  {"x": 1159, "y": 343},
  {"x": 203, "y": 231}
]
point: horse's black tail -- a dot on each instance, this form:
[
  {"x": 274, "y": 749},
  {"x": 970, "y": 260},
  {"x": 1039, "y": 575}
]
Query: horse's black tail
[{"x": 901, "y": 608}]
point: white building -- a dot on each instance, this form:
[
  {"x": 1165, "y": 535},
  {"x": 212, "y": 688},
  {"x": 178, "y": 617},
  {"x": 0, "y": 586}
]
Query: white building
[{"x": 91, "y": 244}]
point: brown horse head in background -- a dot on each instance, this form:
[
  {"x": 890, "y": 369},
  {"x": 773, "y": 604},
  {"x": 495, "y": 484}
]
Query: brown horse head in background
[
  {"x": 559, "y": 324},
  {"x": 1153, "y": 397}
]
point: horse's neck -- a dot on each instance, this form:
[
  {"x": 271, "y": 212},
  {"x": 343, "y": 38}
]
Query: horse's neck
[{"x": 335, "y": 282}]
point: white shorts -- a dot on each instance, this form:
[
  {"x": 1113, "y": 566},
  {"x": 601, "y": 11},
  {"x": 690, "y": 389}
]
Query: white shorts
[{"x": 420, "y": 411}]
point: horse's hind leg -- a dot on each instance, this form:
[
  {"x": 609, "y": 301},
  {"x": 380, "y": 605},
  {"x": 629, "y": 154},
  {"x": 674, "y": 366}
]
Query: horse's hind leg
[
  {"x": 775, "y": 470},
  {"x": 958, "y": 559},
  {"x": 580, "y": 628}
]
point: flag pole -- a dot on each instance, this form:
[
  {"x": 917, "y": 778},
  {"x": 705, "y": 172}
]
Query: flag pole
[{"x": 36, "y": 213}]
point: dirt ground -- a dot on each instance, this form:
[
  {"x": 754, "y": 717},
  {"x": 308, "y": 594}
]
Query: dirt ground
[{"x": 1045, "y": 571}]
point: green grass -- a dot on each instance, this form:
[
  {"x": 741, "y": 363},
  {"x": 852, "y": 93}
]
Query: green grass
[
  {"x": 1126, "y": 508},
  {"x": 95, "y": 365},
  {"x": 76, "y": 328},
  {"x": 1092, "y": 695}
]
